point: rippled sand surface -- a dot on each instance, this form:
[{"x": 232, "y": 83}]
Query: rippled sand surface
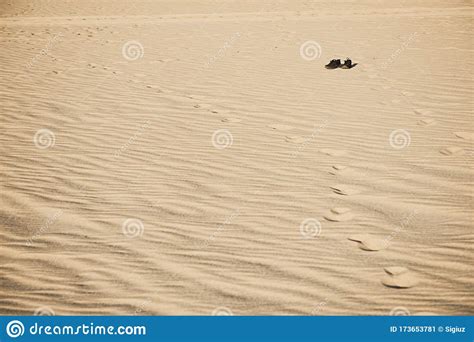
[{"x": 195, "y": 157}]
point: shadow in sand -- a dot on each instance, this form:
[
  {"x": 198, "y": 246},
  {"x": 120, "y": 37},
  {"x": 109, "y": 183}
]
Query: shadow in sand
[{"x": 348, "y": 66}]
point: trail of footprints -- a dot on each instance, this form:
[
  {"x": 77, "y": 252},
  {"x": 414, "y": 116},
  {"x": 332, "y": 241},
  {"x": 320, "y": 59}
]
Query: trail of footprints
[
  {"x": 426, "y": 121},
  {"x": 396, "y": 276},
  {"x": 450, "y": 150}
]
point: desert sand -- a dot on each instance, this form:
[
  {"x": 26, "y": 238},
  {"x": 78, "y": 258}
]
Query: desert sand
[{"x": 196, "y": 158}]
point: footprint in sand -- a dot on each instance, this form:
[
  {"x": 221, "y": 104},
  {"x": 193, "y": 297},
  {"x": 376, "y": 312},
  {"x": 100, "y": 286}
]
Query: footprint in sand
[
  {"x": 399, "y": 277},
  {"x": 203, "y": 106},
  {"x": 220, "y": 111},
  {"x": 231, "y": 120},
  {"x": 346, "y": 190},
  {"x": 421, "y": 111},
  {"x": 332, "y": 152},
  {"x": 427, "y": 122},
  {"x": 452, "y": 150},
  {"x": 395, "y": 270},
  {"x": 280, "y": 127},
  {"x": 165, "y": 60},
  {"x": 337, "y": 169},
  {"x": 368, "y": 242},
  {"x": 339, "y": 214},
  {"x": 149, "y": 86},
  {"x": 465, "y": 135},
  {"x": 295, "y": 139}
]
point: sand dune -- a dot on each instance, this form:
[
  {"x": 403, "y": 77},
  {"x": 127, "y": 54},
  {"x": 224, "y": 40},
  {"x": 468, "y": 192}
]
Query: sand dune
[{"x": 195, "y": 157}]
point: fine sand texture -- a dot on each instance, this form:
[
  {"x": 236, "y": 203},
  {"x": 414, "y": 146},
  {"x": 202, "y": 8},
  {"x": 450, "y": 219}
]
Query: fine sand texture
[{"x": 195, "y": 157}]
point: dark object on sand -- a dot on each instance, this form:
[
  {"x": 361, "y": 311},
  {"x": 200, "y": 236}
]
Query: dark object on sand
[
  {"x": 333, "y": 64},
  {"x": 348, "y": 64}
]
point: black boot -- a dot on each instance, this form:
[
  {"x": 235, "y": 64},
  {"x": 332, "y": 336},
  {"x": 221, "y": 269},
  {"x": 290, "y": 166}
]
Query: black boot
[
  {"x": 333, "y": 64},
  {"x": 348, "y": 64}
]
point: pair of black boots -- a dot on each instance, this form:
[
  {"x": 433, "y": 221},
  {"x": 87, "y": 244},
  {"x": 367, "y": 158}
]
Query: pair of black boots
[{"x": 336, "y": 63}]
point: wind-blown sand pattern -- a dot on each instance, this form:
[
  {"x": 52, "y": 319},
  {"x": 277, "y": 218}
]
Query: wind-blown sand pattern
[{"x": 174, "y": 158}]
